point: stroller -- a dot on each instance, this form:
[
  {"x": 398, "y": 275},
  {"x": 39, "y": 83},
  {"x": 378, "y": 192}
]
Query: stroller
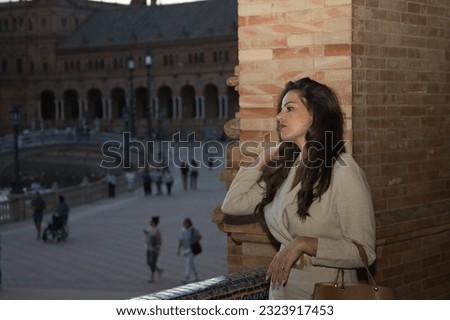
[{"x": 56, "y": 229}]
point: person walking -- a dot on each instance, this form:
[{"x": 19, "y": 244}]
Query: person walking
[
  {"x": 111, "y": 180},
  {"x": 153, "y": 241},
  {"x": 130, "y": 177},
  {"x": 157, "y": 177},
  {"x": 184, "y": 168},
  {"x": 168, "y": 180},
  {"x": 209, "y": 159},
  {"x": 39, "y": 206},
  {"x": 194, "y": 175},
  {"x": 62, "y": 210},
  {"x": 147, "y": 182},
  {"x": 188, "y": 236}
]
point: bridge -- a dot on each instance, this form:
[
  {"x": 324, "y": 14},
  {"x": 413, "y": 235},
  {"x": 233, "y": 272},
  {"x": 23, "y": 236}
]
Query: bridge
[
  {"x": 89, "y": 144},
  {"x": 55, "y": 143}
]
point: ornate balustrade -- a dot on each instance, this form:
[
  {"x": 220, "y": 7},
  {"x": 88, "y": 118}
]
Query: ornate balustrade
[{"x": 246, "y": 285}]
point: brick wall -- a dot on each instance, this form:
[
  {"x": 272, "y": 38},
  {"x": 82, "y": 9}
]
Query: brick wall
[
  {"x": 389, "y": 62},
  {"x": 288, "y": 40},
  {"x": 401, "y": 95},
  {"x": 401, "y": 129}
]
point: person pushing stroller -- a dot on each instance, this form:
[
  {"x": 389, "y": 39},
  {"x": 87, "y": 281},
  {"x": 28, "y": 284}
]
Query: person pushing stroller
[{"x": 58, "y": 228}]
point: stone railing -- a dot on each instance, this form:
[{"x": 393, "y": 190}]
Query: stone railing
[
  {"x": 246, "y": 285},
  {"x": 18, "y": 206},
  {"x": 52, "y": 137}
]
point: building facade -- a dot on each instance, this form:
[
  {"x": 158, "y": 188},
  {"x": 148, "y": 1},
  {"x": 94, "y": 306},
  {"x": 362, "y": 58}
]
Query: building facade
[{"x": 79, "y": 63}]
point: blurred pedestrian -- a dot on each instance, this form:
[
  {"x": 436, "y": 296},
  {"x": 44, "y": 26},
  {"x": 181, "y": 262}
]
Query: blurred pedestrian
[
  {"x": 184, "y": 168},
  {"x": 168, "y": 180},
  {"x": 130, "y": 177},
  {"x": 39, "y": 206},
  {"x": 153, "y": 240},
  {"x": 147, "y": 182},
  {"x": 62, "y": 210},
  {"x": 194, "y": 174},
  {"x": 157, "y": 177},
  {"x": 111, "y": 180},
  {"x": 210, "y": 161},
  {"x": 188, "y": 236}
]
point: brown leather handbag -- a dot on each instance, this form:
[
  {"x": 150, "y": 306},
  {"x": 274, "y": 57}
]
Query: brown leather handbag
[{"x": 353, "y": 291}]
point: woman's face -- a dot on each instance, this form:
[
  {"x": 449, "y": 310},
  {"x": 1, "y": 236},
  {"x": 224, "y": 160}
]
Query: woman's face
[{"x": 294, "y": 119}]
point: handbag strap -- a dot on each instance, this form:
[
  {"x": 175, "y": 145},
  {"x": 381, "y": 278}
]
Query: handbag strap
[
  {"x": 339, "y": 272},
  {"x": 365, "y": 260}
]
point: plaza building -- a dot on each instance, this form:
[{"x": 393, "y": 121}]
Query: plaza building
[{"x": 151, "y": 69}]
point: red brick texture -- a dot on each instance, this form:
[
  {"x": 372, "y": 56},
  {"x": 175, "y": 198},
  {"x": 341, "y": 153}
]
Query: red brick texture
[{"x": 401, "y": 91}]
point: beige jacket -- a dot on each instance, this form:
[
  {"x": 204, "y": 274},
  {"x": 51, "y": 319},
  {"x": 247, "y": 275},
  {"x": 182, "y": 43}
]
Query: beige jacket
[{"x": 343, "y": 214}]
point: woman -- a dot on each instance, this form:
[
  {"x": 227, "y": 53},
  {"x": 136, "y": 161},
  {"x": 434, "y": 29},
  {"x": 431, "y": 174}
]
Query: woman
[
  {"x": 188, "y": 236},
  {"x": 314, "y": 197},
  {"x": 153, "y": 240},
  {"x": 39, "y": 206}
]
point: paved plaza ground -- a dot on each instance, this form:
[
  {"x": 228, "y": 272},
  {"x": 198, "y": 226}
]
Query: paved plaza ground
[{"x": 104, "y": 256}]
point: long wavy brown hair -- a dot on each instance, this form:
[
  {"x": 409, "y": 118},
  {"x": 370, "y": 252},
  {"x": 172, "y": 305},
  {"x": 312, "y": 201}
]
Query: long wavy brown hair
[{"x": 324, "y": 143}]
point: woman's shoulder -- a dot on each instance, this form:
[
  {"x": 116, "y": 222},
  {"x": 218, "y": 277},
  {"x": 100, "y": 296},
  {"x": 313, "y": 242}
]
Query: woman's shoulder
[
  {"x": 346, "y": 159},
  {"x": 348, "y": 177},
  {"x": 346, "y": 165}
]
